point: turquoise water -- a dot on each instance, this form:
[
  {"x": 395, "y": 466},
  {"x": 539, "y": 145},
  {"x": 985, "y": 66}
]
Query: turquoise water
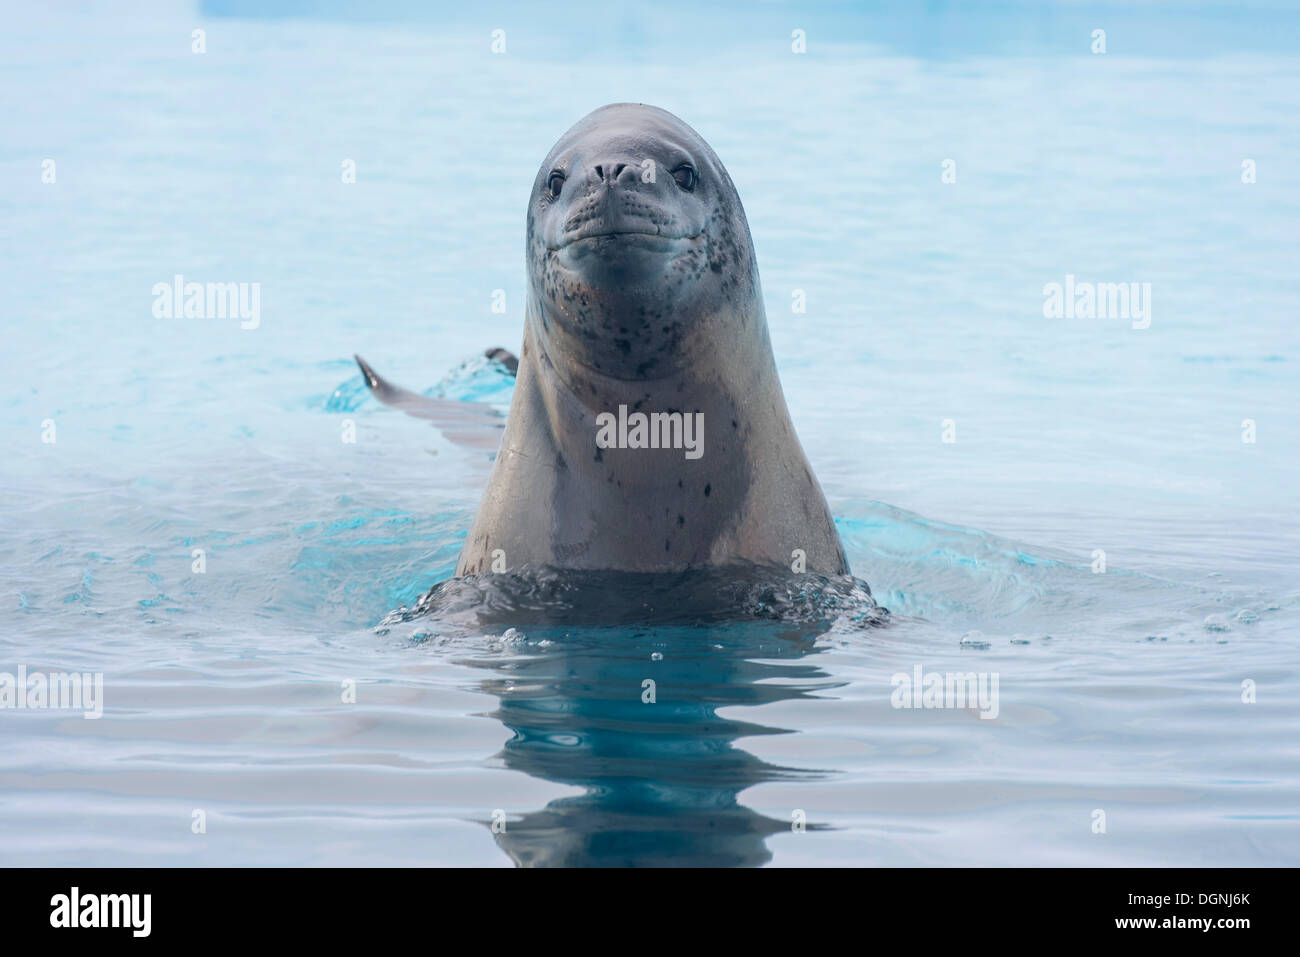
[{"x": 1120, "y": 691}]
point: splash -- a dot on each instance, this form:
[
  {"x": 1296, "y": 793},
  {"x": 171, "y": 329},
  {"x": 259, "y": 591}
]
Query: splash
[{"x": 739, "y": 592}]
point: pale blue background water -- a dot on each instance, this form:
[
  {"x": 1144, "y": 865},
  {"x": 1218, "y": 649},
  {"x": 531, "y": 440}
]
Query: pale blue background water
[{"x": 924, "y": 303}]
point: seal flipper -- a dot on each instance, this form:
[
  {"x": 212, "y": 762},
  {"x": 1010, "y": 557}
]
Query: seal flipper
[
  {"x": 504, "y": 356},
  {"x": 388, "y": 393},
  {"x": 474, "y": 425}
]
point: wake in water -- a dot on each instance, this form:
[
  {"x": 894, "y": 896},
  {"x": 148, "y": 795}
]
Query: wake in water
[{"x": 735, "y": 593}]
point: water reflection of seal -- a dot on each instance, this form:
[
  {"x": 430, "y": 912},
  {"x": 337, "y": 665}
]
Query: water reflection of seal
[
  {"x": 661, "y": 781},
  {"x": 643, "y": 297}
]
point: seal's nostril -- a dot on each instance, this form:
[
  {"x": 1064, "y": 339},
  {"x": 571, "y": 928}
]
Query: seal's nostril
[{"x": 615, "y": 172}]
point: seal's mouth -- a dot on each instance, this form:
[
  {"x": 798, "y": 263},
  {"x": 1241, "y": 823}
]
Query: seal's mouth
[
  {"x": 617, "y": 246},
  {"x": 593, "y": 239}
]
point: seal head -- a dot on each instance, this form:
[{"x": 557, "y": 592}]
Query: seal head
[{"x": 636, "y": 239}]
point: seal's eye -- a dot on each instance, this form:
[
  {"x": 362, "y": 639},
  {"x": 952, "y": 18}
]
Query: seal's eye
[
  {"x": 555, "y": 183},
  {"x": 685, "y": 176}
]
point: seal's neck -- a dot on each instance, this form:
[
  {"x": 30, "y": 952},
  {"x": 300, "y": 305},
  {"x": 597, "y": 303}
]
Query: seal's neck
[
  {"x": 726, "y": 351},
  {"x": 713, "y": 407}
]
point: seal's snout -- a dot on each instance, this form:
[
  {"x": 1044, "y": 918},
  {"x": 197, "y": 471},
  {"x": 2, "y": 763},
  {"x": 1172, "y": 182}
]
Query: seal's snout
[
  {"x": 624, "y": 203},
  {"x": 610, "y": 173}
]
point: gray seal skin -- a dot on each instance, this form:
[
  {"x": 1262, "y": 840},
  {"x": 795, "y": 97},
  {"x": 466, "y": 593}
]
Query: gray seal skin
[{"x": 643, "y": 291}]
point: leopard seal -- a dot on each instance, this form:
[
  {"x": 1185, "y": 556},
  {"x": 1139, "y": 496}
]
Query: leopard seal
[{"x": 644, "y": 297}]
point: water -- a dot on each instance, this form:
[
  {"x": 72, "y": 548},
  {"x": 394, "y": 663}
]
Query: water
[{"x": 1119, "y": 692}]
